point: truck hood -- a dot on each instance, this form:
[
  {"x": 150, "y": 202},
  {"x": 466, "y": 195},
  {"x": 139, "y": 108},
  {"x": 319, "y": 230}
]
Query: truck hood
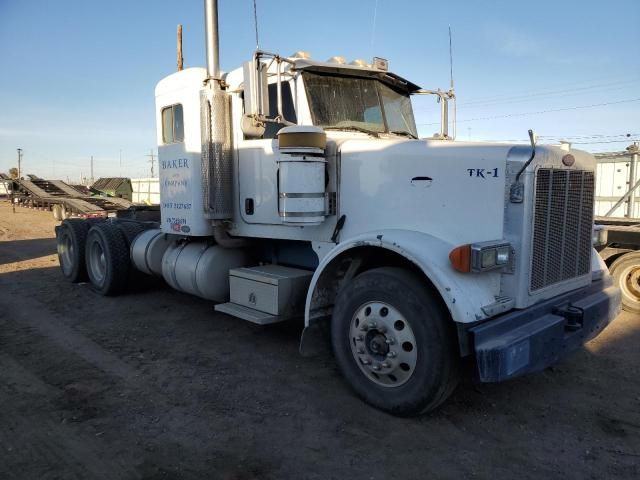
[{"x": 453, "y": 190}]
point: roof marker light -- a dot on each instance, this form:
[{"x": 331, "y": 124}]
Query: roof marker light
[{"x": 337, "y": 59}]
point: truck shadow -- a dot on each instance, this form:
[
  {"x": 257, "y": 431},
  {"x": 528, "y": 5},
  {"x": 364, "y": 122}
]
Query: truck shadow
[{"x": 20, "y": 250}]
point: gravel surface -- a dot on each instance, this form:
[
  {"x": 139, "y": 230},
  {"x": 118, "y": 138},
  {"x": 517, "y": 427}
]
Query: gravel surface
[{"x": 154, "y": 384}]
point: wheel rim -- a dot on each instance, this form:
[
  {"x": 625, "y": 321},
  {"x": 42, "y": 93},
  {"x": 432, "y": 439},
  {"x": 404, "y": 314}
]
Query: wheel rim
[
  {"x": 630, "y": 282},
  {"x": 383, "y": 344},
  {"x": 97, "y": 262},
  {"x": 65, "y": 253}
]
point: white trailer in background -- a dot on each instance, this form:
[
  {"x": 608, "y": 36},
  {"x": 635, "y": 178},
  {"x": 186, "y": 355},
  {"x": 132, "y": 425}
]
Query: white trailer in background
[
  {"x": 146, "y": 190},
  {"x": 5, "y": 187},
  {"x": 617, "y": 212},
  {"x": 297, "y": 189}
]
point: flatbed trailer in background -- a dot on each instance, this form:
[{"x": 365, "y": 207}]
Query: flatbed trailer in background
[
  {"x": 65, "y": 201},
  {"x": 618, "y": 216}
]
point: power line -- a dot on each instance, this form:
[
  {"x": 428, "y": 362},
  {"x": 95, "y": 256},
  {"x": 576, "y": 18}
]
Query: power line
[
  {"x": 593, "y": 135},
  {"x": 522, "y": 114},
  {"x": 630, "y": 140},
  {"x": 545, "y": 92},
  {"x": 538, "y": 97}
]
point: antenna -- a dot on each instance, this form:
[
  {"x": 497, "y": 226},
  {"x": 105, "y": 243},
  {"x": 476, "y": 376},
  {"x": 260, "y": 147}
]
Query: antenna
[
  {"x": 373, "y": 27},
  {"x": 450, "y": 60},
  {"x": 255, "y": 22}
]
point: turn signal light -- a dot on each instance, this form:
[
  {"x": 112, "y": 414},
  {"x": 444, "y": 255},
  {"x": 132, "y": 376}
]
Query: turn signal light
[{"x": 460, "y": 258}]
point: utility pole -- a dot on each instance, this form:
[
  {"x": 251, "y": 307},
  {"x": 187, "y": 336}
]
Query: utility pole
[
  {"x": 91, "y": 168},
  {"x": 152, "y": 159},
  {"x": 19, "y": 163}
]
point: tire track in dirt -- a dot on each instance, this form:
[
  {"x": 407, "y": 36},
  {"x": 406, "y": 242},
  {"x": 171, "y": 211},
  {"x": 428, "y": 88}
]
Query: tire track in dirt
[
  {"x": 34, "y": 315},
  {"x": 71, "y": 449}
]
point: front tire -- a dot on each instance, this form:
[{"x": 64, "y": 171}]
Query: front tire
[{"x": 394, "y": 342}]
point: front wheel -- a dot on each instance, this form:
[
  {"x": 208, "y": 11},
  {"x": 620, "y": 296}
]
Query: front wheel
[{"x": 394, "y": 342}]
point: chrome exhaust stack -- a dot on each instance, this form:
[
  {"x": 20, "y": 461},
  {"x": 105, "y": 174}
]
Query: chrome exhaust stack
[
  {"x": 212, "y": 39},
  {"x": 215, "y": 117}
]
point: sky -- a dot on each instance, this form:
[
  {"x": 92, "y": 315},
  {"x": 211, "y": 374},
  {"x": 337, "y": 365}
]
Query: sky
[{"x": 78, "y": 76}]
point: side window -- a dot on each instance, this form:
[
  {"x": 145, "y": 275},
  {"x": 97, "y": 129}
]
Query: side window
[
  {"x": 288, "y": 109},
  {"x": 172, "y": 124}
]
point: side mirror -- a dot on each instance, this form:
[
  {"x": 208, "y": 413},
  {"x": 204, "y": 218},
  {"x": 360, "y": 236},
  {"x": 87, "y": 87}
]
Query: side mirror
[
  {"x": 256, "y": 98},
  {"x": 256, "y": 95}
]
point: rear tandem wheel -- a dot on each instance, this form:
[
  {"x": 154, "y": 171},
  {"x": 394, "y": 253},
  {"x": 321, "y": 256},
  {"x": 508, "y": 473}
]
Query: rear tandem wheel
[
  {"x": 71, "y": 236},
  {"x": 107, "y": 259}
]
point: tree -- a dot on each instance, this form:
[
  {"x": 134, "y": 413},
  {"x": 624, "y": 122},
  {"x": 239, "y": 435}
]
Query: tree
[{"x": 13, "y": 173}]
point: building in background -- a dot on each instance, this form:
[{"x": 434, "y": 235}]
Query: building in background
[
  {"x": 114, "y": 187},
  {"x": 146, "y": 190},
  {"x": 5, "y": 185}
]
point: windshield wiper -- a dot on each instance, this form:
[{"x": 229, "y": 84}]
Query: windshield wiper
[
  {"x": 356, "y": 129},
  {"x": 404, "y": 133}
]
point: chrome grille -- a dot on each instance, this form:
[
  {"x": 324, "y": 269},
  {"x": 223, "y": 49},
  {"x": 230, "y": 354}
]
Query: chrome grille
[{"x": 562, "y": 224}]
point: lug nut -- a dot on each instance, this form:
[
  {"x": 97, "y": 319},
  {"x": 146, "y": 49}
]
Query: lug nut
[
  {"x": 382, "y": 329},
  {"x": 376, "y": 367},
  {"x": 359, "y": 338},
  {"x": 390, "y": 341},
  {"x": 361, "y": 351},
  {"x": 391, "y": 354},
  {"x": 366, "y": 362},
  {"x": 385, "y": 365},
  {"x": 373, "y": 325}
]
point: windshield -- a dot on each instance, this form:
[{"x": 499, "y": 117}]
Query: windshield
[{"x": 363, "y": 104}]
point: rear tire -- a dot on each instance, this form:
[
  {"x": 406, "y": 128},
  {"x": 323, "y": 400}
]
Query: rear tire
[
  {"x": 130, "y": 230},
  {"x": 394, "y": 342},
  {"x": 71, "y": 237},
  {"x": 107, "y": 259},
  {"x": 626, "y": 275}
]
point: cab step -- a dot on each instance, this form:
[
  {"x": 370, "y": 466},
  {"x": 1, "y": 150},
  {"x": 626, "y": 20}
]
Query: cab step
[{"x": 245, "y": 313}]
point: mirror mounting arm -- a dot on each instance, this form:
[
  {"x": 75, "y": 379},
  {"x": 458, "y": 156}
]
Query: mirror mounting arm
[{"x": 443, "y": 98}]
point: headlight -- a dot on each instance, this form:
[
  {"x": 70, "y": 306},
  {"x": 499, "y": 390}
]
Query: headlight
[
  {"x": 599, "y": 236},
  {"x": 480, "y": 257},
  {"x": 489, "y": 255}
]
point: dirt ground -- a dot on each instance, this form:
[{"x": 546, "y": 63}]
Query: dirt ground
[{"x": 154, "y": 384}]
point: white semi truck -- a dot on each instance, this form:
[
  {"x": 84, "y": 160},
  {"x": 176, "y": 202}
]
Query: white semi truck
[{"x": 298, "y": 189}]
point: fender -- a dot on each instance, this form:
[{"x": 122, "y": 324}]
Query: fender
[{"x": 463, "y": 293}]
